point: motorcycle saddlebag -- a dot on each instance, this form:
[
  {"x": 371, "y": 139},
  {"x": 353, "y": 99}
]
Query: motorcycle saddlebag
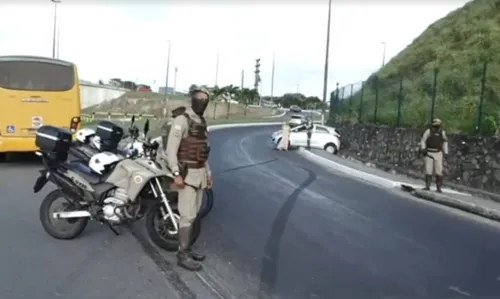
[
  {"x": 109, "y": 133},
  {"x": 52, "y": 139}
]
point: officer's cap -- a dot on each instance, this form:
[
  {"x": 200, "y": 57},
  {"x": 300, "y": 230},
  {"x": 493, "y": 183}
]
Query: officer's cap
[{"x": 436, "y": 122}]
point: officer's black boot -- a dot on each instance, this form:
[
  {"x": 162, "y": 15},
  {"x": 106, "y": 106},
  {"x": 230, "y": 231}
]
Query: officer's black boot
[
  {"x": 428, "y": 180},
  {"x": 439, "y": 183},
  {"x": 184, "y": 258},
  {"x": 197, "y": 256},
  {"x": 194, "y": 254}
]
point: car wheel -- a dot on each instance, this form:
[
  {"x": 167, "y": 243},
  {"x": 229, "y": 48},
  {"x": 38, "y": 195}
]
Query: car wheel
[{"x": 331, "y": 148}]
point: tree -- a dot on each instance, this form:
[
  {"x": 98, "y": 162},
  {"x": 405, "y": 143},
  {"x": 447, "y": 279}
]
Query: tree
[
  {"x": 230, "y": 92},
  {"x": 216, "y": 94},
  {"x": 129, "y": 85},
  {"x": 248, "y": 96},
  {"x": 116, "y": 82}
]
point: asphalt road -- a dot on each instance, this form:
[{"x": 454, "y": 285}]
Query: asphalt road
[{"x": 281, "y": 227}]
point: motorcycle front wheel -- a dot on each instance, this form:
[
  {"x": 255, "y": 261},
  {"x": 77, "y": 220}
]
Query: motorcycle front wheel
[{"x": 163, "y": 233}]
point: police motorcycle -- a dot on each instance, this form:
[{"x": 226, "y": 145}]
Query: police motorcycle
[{"x": 109, "y": 189}]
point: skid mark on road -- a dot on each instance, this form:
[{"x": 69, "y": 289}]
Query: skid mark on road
[{"x": 269, "y": 270}]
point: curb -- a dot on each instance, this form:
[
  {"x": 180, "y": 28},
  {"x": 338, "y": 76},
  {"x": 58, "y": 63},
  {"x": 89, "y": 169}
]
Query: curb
[
  {"x": 457, "y": 204},
  {"x": 348, "y": 170},
  {"x": 278, "y": 115},
  {"x": 439, "y": 198}
]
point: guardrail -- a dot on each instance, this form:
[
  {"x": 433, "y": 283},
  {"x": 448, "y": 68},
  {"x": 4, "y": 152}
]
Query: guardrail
[{"x": 115, "y": 115}]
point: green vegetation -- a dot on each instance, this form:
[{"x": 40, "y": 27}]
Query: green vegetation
[
  {"x": 150, "y": 96},
  {"x": 454, "y": 63},
  {"x": 230, "y": 94},
  {"x": 290, "y": 99},
  {"x": 226, "y": 102}
]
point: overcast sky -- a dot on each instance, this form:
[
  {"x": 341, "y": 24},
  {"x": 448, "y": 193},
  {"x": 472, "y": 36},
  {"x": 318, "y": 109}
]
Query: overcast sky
[{"x": 109, "y": 39}]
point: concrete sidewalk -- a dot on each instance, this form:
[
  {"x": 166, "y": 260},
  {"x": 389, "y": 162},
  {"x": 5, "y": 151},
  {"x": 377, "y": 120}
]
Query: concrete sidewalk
[{"x": 463, "y": 201}]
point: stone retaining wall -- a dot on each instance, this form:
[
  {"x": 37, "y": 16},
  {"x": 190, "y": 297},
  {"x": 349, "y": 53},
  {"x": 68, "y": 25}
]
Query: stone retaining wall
[{"x": 473, "y": 161}]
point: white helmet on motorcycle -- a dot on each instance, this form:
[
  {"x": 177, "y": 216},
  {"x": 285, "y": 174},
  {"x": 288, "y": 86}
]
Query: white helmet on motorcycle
[
  {"x": 85, "y": 135},
  {"x": 101, "y": 161}
]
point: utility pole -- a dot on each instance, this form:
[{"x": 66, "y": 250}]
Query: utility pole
[
  {"x": 166, "y": 80},
  {"x": 58, "y": 36},
  {"x": 272, "y": 79},
  {"x": 242, "y": 84},
  {"x": 242, "y": 79},
  {"x": 217, "y": 70},
  {"x": 54, "y": 35},
  {"x": 327, "y": 55},
  {"x": 383, "y": 54},
  {"x": 175, "y": 81}
]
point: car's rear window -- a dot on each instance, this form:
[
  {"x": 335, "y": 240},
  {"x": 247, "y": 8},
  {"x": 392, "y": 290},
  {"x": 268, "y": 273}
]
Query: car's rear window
[{"x": 297, "y": 116}]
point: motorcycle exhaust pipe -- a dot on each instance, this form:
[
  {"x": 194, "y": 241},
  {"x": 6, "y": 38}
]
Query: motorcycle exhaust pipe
[{"x": 71, "y": 214}]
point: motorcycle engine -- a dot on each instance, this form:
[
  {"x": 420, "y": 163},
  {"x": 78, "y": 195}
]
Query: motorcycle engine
[{"x": 115, "y": 205}]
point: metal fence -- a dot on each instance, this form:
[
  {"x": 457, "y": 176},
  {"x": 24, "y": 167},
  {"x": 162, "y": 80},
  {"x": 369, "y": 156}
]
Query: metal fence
[{"x": 466, "y": 99}]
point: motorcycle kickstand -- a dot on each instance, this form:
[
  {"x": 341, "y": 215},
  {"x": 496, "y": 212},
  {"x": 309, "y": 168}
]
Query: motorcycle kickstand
[{"x": 116, "y": 232}]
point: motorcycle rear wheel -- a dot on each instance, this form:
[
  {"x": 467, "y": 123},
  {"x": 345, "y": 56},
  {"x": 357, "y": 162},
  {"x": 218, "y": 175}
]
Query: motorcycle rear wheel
[
  {"x": 54, "y": 227},
  {"x": 161, "y": 231}
]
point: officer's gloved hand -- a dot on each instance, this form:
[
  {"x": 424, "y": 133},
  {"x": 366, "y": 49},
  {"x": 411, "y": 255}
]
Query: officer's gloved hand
[{"x": 424, "y": 152}]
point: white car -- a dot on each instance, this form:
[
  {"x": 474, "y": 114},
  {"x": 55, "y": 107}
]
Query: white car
[
  {"x": 323, "y": 137},
  {"x": 297, "y": 120}
]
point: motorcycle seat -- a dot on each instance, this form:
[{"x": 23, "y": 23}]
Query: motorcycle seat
[{"x": 86, "y": 173}]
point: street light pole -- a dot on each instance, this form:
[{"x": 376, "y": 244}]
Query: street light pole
[
  {"x": 58, "y": 36},
  {"x": 166, "y": 80},
  {"x": 175, "y": 81},
  {"x": 217, "y": 70},
  {"x": 55, "y": 28},
  {"x": 272, "y": 80},
  {"x": 327, "y": 56},
  {"x": 383, "y": 54}
]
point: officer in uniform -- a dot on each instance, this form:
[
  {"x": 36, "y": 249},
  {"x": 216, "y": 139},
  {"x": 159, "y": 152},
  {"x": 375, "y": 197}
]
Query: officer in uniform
[
  {"x": 187, "y": 155},
  {"x": 309, "y": 127},
  {"x": 434, "y": 146}
]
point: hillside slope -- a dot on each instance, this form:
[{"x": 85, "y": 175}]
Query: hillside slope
[
  {"x": 153, "y": 103},
  {"x": 456, "y": 48}
]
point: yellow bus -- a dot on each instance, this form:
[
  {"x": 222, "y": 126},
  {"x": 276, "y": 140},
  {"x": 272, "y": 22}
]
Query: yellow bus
[{"x": 35, "y": 91}]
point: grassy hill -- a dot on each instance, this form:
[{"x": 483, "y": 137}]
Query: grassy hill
[
  {"x": 446, "y": 62},
  {"x": 154, "y": 103}
]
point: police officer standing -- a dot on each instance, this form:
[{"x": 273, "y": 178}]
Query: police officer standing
[
  {"x": 434, "y": 146},
  {"x": 187, "y": 155},
  {"x": 309, "y": 127}
]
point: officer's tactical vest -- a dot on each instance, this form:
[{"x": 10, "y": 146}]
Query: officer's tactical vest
[
  {"x": 435, "y": 140},
  {"x": 193, "y": 150}
]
